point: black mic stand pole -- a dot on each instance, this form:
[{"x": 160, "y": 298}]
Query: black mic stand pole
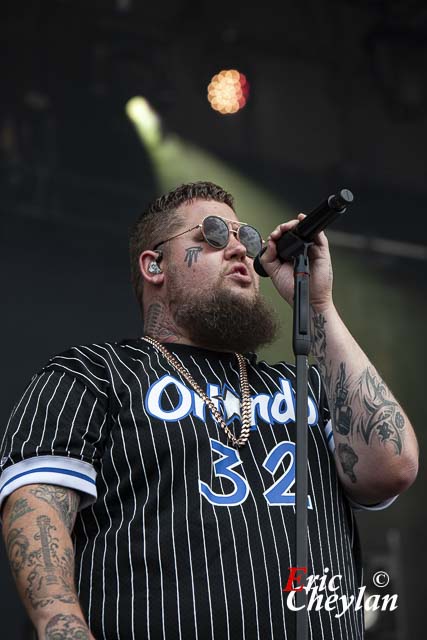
[
  {"x": 295, "y": 245},
  {"x": 301, "y": 341}
]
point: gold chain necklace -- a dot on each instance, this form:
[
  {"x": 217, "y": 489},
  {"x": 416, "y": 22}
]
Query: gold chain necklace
[{"x": 245, "y": 402}]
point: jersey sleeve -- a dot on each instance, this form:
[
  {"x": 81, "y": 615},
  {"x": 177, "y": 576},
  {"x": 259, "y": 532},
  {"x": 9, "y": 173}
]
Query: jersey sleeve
[
  {"x": 326, "y": 424},
  {"x": 56, "y": 432}
]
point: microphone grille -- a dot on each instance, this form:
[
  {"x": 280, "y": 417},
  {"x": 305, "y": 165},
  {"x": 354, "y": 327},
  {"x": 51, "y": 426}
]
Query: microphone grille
[
  {"x": 346, "y": 196},
  {"x": 341, "y": 200}
]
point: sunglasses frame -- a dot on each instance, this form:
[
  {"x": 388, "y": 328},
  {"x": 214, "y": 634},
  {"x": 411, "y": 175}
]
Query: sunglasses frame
[{"x": 200, "y": 226}]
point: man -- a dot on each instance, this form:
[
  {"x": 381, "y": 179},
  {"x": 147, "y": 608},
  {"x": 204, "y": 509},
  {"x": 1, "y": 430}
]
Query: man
[{"x": 149, "y": 482}]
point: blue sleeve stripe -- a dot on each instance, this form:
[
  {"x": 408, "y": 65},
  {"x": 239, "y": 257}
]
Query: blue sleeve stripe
[{"x": 66, "y": 472}]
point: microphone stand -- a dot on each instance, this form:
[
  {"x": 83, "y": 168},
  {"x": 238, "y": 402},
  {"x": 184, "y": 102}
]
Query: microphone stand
[
  {"x": 295, "y": 245},
  {"x": 301, "y": 341}
]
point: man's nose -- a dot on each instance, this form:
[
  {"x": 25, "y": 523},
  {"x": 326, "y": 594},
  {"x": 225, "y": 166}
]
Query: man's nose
[{"x": 234, "y": 247}]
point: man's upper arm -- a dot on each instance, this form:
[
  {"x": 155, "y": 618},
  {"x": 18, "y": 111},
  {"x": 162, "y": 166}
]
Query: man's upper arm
[
  {"x": 42, "y": 497},
  {"x": 55, "y": 436},
  {"x": 324, "y": 417}
]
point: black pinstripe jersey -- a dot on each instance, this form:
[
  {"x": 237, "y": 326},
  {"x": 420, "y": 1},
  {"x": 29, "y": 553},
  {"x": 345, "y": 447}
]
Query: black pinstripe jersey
[{"x": 180, "y": 535}]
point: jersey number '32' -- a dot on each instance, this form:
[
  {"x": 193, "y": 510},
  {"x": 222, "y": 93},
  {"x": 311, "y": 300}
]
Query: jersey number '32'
[{"x": 279, "y": 494}]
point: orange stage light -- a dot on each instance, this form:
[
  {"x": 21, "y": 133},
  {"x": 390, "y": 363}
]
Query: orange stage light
[{"x": 228, "y": 91}]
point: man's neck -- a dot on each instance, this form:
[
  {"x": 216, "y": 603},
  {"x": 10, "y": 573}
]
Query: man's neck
[{"x": 159, "y": 324}]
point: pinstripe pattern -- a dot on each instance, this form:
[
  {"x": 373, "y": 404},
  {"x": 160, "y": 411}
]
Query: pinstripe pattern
[{"x": 154, "y": 557}]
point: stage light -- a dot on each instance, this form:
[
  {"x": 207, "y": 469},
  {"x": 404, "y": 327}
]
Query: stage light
[
  {"x": 371, "y": 615},
  {"x": 228, "y": 91},
  {"x": 145, "y": 120}
]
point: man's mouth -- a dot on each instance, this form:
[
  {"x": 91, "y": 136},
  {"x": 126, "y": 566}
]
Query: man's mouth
[{"x": 239, "y": 273}]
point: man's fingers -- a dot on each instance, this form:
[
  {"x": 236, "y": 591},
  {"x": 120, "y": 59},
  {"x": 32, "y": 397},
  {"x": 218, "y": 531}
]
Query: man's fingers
[
  {"x": 286, "y": 226},
  {"x": 282, "y": 228},
  {"x": 319, "y": 239}
]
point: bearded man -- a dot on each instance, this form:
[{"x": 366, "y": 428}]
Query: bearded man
[{"x": 148, "y": 484}]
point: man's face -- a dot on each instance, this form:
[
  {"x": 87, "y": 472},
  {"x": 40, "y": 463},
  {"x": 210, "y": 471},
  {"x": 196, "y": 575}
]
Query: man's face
[
  {"x": 191, "y": 265},
  {"x": 213, "y": 294}
]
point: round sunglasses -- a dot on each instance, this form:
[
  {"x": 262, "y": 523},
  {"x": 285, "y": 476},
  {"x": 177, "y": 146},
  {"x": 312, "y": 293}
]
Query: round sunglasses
[{"x": 216, "y": 232}]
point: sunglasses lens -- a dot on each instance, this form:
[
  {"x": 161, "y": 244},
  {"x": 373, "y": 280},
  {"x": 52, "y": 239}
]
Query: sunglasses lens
[
  {"x": 216, "y": 232},
  {"x": 251, "y": 239}
]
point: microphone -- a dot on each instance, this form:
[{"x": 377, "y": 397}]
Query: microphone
[{"x": 292, "y": 242}]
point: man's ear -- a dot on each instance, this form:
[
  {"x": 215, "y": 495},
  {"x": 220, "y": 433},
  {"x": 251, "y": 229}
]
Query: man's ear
[{"x": 150, "y": 268}]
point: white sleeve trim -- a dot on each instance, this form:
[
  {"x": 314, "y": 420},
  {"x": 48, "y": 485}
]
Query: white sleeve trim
[
  {"x": 371, "y": 507},
  {"x": 59, "y": 470}
]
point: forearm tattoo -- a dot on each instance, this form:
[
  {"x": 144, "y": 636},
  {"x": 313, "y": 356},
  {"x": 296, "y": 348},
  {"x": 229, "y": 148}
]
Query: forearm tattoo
[
  {"x": 348, "y": 459},
  {"x": 49, "y": 570},
  {"x": 360, "y": 407},
  {"x": 66, "y": 627},
  {"x": 191, "y": 254},
  {"x": 318, "y": 347}
]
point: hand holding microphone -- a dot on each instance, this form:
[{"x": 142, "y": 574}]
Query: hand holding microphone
[
  {"x": 288, "y": 240},
  {"x": 292, "y": 242}
]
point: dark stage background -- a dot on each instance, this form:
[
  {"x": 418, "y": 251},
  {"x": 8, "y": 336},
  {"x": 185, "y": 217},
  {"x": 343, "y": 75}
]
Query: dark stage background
[{"x": 338, "y": 98}]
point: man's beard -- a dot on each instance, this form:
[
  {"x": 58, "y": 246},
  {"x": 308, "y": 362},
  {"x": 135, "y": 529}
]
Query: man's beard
[{"x": 223, "y": 320}]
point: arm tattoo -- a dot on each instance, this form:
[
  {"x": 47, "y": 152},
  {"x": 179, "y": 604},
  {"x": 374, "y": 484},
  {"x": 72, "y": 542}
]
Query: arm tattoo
[
  {"x": 66, "y": 627},
  {"x": 17, "y": 550},
  {"x": 318, "y": 347},
  {"x": 342, "y": 411},
  {"x": 359, "y": 407},
  {"x": 64, "y": 501},
  {"x": 50, "y": 576},
  {"x": 20, "y": 508},
  {"x": 381, "y": 415},
  {"x": 191, "y": 254},
  {"x": 348, "y": 459}
]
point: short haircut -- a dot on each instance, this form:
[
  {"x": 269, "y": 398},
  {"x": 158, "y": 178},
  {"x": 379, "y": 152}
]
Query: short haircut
[{"x": 161, "y": 220}]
